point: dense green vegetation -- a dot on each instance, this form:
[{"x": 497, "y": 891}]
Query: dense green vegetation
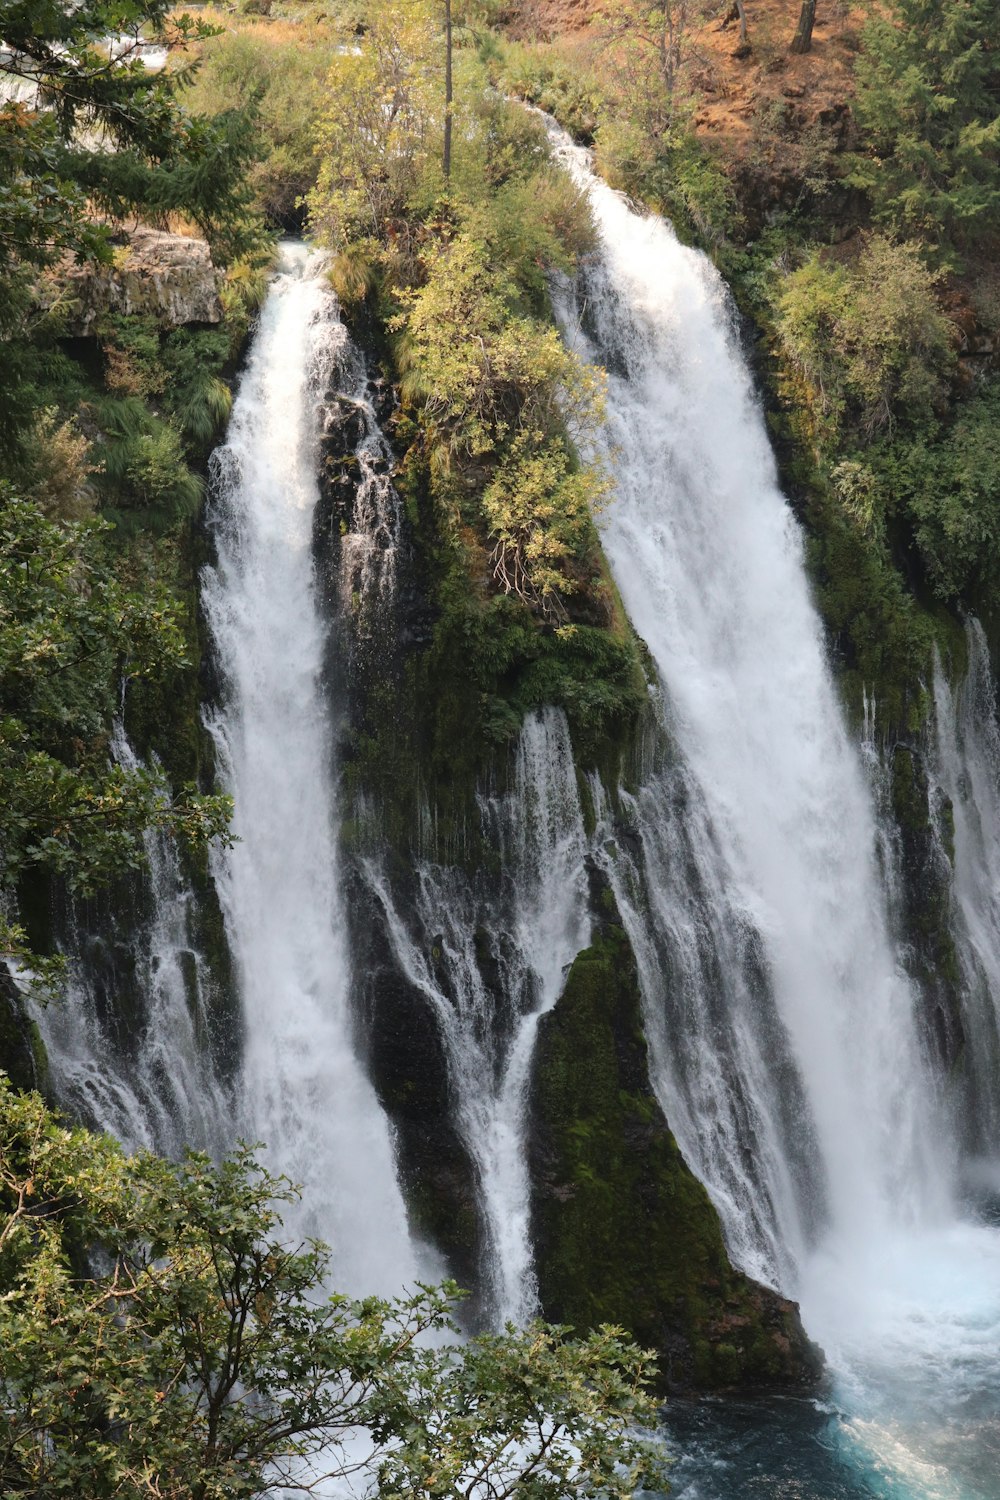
[
  {"x": 277, "y": 72},
  {"x": 205, "y": 1360},
  {"x": 100, "y": 445},
  {"x": 928, "y": 103},
  {"x": 64, "y": 190},
  {"x": 495, "y": 415}
]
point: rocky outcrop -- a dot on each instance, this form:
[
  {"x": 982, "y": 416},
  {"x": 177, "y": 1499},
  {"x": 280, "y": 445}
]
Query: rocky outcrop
[
  {"x": 624, "y": 1232},
  {"x": 167, "y": 277}
]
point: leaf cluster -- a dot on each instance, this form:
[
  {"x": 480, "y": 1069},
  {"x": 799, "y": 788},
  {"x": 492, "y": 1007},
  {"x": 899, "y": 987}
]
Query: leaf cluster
[
  {"x": 159, "y": 1336},
  {"x": 928, "y": 102},
  {"x": 868, "y": 339},
  {"x": 460, "y": 268},
  {"x": 71, "y": 631}
]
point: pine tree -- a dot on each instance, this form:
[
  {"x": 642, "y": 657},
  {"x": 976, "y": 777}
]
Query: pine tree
[
  {"x": 928, "y": 102},
  {"x": 90, "y": 138}
]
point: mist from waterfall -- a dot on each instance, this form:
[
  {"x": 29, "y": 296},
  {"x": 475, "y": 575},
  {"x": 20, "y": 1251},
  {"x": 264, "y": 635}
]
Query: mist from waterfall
[{"x": 304, "y": 1091}]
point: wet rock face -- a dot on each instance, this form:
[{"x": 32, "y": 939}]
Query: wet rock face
[
  {"x": 22, "y": 1052},
  {"x": 167, "y": 277},
  {"x": 623, "y": 1231}
]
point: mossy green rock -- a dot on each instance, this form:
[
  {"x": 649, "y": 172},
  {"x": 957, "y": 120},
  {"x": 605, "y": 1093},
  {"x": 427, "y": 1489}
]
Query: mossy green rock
[
  {"x": 22, "y": 1051},
  {"x": 624, "y": 1232}
]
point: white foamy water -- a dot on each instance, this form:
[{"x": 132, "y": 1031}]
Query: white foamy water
[
  {"x": 304, "y": 1090},
  {"x": 787, "y": 1043},
  {"x": 141, "y": 1069}
]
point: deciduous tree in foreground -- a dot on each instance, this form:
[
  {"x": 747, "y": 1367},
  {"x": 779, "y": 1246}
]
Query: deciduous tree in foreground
[{"x": 158, "y": 1337}]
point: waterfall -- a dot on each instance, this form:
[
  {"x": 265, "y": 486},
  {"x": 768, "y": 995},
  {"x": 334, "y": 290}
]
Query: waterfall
[
  {"x": 525, "y": 929},
  {"x": 966, "y": 800},
  {"x": 141, "y": 1067},
  {"x": 786, "y": 1040},
  {"x": 779, "y": 822},
  {"x": 304, "y": 1091}
]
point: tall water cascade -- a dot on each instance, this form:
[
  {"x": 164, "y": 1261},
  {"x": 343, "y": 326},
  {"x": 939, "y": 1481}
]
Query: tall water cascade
[
  {"x": 786, "y": 1038},
  {"x": 303, "y": 1091},
  {"x": 152, "y": 1083},
  {"x": 527, "y": 931}
]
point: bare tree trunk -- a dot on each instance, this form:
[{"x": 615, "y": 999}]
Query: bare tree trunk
[
  {"x": 447, "y": 88},
  {"x": 736, "y": 12},
  {"x": 802, "y": 40}
]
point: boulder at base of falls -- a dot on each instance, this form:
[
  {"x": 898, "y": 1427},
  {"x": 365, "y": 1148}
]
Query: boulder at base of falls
[
  {"x": 167, "y": 277},
  {"x": 624, "y": 1232}
]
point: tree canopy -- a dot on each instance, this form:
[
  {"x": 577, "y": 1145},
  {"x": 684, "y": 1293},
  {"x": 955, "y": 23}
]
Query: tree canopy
[
  {"x": 201, "y": 1356},
  {"x": 90, "y": 138},
  {"x": 928, "y": 101}
]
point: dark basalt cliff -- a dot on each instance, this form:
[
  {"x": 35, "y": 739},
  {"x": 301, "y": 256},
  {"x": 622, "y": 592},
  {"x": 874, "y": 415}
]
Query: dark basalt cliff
[{"x": 623, "y": 1231}]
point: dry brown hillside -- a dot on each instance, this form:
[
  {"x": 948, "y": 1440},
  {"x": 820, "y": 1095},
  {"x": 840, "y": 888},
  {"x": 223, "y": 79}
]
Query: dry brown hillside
[{"x": 733, "y": 88}]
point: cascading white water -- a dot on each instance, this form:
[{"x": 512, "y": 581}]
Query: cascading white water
[
  {"x": 368, "y": 550},
  {"x": 709, "y": 562},
  {"x": 718, "y": 1051},
  {"x": 304, "y": 1091},
  {"x": 785, "y": 1036},
  {"x": 160, "y": 1092},
  {"x": 967, "y": 766},
  {"x": 533, "y": 928}
]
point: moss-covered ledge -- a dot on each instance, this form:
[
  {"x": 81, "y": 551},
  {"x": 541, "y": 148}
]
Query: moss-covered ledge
[{"x": 624, "y": 1233}]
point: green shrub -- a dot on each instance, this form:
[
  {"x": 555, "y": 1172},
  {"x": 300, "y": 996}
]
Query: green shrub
[
  {"x": 950, "y": 489},
  {"x": 278, "y": 71},
  {"x": 869, "y": 340},
  {"x": 928, "y": 103},
  {"x": 141, "y": 467}
]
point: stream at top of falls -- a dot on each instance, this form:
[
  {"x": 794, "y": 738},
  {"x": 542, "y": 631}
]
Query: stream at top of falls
[{"x": 785, "y": 1036}]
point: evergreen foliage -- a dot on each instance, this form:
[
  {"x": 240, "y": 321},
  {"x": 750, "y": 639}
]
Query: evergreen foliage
[
  {"x": 90, "y": 137},
  {"x": 928, "y": 101},
  {"x": 202, "y": 1357}
]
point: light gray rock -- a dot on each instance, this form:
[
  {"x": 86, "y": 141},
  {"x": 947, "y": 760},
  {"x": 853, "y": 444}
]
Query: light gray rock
[{"x": 168, "y": 277}]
